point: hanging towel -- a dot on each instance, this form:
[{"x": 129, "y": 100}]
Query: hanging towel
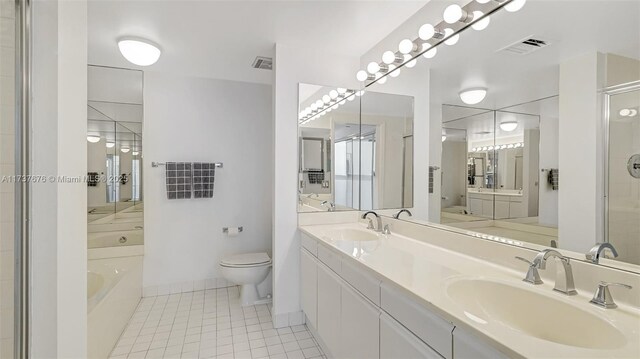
[
  {"x": 553, "y": 178},
  {"x": 178, "y": 180},
  {"x": 203, "y": 179}
]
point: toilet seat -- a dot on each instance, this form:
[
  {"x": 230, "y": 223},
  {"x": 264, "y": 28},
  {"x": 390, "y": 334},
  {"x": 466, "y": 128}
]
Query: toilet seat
[{"x": 246, "y": 260}]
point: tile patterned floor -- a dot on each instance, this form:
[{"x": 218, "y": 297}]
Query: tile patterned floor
[{"x": 210, "y": 324}]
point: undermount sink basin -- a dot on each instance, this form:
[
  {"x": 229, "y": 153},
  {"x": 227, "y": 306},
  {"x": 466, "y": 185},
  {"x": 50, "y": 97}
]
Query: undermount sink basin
[
  {"x": 533, "y": 314},
  {"x": 351, "y": 234}
]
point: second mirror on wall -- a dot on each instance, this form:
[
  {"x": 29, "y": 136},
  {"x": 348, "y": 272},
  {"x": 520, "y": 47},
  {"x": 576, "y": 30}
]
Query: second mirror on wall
[{"x": 355, "y": 149}]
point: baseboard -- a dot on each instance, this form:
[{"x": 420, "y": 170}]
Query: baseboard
[
  {"x": 185, "y": 287},
  {"x": 288, "y": 319}
]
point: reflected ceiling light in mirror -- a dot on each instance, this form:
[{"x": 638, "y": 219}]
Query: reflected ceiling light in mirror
[
  {"x": 408, "y": 62},
  {"x": 363, "y": 76},
  {"x": 134, "y": 153},
  {"x": 427, "y": 32},
  {"x": 389, "y": 57},
  {"x": 515, "y": 5},
  {"x": 483, "y": 1},
  {"x": 110, "y": 144},
  {"x": 508, "y": 125},
  {"x": 333, "y": 94},
  {"x": 473, "y": 96},
  {"x": 633, "y": 113},
  {"x": 444, "y": 138},
  {"x": 480, "y": 24},
  {"x": 341, "y": 90},
  {"x": 382, "y": 80},
  {"x": 124, "y": 150},
  {"x": 431, "y": 53},
  {"x": 407, "y": 46},
  {"x": 326, "y": 99},
  {"x": 93, "y": 139},
  {"x": 138, "y": 51},
  {"x": 451, "y": 40},
  {"x": 393, "y": 72}
]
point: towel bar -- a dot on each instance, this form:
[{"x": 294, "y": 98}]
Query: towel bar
[{"x": 156, "y": 164}]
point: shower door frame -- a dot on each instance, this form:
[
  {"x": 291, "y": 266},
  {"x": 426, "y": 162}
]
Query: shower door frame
[{"x": 607, "y": 93}]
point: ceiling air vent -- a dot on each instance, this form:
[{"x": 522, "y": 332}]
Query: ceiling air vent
[
  {"x": 264, "y": 63},
  {"x": 525, "y": 46}
]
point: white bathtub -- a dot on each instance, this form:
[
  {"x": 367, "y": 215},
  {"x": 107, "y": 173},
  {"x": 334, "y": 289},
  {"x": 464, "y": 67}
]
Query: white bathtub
[
  {"x": 114, "y": 290},
  {"x": 115, "y": 239}
]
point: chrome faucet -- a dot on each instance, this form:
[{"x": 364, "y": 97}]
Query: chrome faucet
[
  {"x": 532, "y": 274},
  {"x": 378, "y": 219},
  {"x": 603, "y": 297},
  {"x": 330, "y": 205},
  {"x": 397, "y": 215},
  {"x": 595, "y": 253},
  {"x": 564, "y": 284}
]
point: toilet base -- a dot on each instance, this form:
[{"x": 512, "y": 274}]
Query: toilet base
[{"x": 249, "y": 296}]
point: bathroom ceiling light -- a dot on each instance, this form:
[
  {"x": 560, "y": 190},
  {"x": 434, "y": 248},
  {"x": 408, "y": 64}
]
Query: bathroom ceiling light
[
  {"x": 139, "y": 51},
  {"x": 124, "y": 150},
  {"x": 393, "y": 72},
  {"x": 625, "y": 112},
  {"x": 473, "y": 96},
  {"x": 363, "y": 76},
  {"x": 508, "y": 125},
  {"x": 110, "y": 144},
  {"x": 93, "y": 139},
  {"x": 633, "y": 112},
  {"x": 481, "y": 24},
  {"x": 373, "y": 68},
  {"x": 407, "y": 46},
  {"x": 326, "y": 99},
  {"x": 408, "y": 62},
  {"x": 515, "y": 5},
  {"x": 482, "y": 1},
  {"x": 388, "y": 57},
  {"x": 444, "y": 138},
  {"x": 333, "y": 94},
  {"x": 341, "y": 90},
  {"x": 134, "y": 153},
  {"x": 426, "y": 32},
  {"x": 454, "y": 13}
]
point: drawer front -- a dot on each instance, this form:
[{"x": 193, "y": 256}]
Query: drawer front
[
  {"x": 427, "y": 326},
  {"x": 328, "y": 257},
  {"x": 309, "y": 244},
  {"x": 362, "y": 281},
  {"x": 396, "y": 342}
]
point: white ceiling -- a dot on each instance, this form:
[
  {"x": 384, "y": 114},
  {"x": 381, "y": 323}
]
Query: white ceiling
[
  {"x": 574, "y": 28},
  {"x": 220, "y": 39}
]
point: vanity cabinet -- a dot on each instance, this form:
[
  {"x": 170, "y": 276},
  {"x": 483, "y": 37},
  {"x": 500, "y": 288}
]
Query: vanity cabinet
[
  {"x": 329, "y": 313},
  {"x": 396, "y": 342},
  {"x": 357, "y": 316},
  {"x": 467, "y": 346},
  {"x": 309, "y": 287}
]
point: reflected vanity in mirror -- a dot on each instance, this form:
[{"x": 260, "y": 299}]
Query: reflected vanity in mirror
[
  {"x": 355, "y": 149},
  {"x": 114, "y": 158},
  {"x": 548, "y": 156}
]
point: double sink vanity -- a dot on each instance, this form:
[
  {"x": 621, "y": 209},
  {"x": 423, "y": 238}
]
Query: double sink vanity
[{"x": 423, "y": 292}]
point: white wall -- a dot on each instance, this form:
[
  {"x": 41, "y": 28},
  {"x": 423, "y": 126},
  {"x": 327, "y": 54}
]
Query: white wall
[
  {"x": 59, "y": 148},
  {"x": 548, "y": 198},
  {"x": 293, "y": 65},
  {"x": 454, "y": 173},
  {"x": 204, "y": 120}
]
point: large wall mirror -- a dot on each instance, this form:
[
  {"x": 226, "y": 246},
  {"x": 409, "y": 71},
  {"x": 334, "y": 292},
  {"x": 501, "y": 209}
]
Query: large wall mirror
[
  {"x": 550, "y": 157},
  {"x": 358, "y": 154},
  {"x": 114, "y": 157}
]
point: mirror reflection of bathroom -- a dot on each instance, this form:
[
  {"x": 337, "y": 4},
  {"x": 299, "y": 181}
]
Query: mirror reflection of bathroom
[
  {"x": 114, "y": 157},
  {"x": 355, "y": 154}
]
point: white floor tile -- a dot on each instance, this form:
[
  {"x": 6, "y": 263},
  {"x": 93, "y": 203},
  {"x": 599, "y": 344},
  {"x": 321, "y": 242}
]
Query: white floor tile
[{"x": 210, "y": 324}]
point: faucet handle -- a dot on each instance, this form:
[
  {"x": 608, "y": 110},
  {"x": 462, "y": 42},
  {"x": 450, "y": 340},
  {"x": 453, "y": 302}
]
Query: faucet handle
[
  {"x": 532, "y": 276},
  {"x": 603, "y": 298},
  {"x": 386, "y": 229},
  {"x": 370, "y": 225}
]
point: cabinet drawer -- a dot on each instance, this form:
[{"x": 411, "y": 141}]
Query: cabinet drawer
[
  {"x": 427, "y": 326},
  {"x": 309, "y": 244},
  {"x": 362, "y": 281},
  {"x": 398, "y": 343},
  {"x": 328, "y": 257}
]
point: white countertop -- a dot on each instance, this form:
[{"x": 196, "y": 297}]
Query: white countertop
[
  {"x": 425, "y": 272},
  {"x": 497, "y": 193}
]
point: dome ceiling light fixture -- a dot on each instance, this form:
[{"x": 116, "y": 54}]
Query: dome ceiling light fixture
[
  {"x": 456, "y": 18},
  {"x": 508, "y": 126},
  {"x": 139, "y": 51},
  {"x": 93, "y": 139},
  {"x": 473, "y": 96}
]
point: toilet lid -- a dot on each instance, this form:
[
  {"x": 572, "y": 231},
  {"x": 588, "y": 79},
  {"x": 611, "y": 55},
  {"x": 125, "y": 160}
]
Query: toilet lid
[{"x": 246, "y": 259}]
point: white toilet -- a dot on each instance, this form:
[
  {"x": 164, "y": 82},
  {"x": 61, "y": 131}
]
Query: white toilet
[{"x": 247, "y": 270}]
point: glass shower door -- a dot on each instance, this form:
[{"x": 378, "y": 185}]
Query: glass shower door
[{"x": 623, "y": 197}]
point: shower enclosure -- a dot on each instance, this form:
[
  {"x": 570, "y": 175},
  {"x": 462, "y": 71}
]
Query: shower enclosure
[{"x": 15, "y": 22}]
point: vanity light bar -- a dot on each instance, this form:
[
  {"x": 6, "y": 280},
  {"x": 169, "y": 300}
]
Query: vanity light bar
[
  {"x": 327, "y": 103},
  {"x": 457, "y": 18},
  {"x": 498, "y": 147}
]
